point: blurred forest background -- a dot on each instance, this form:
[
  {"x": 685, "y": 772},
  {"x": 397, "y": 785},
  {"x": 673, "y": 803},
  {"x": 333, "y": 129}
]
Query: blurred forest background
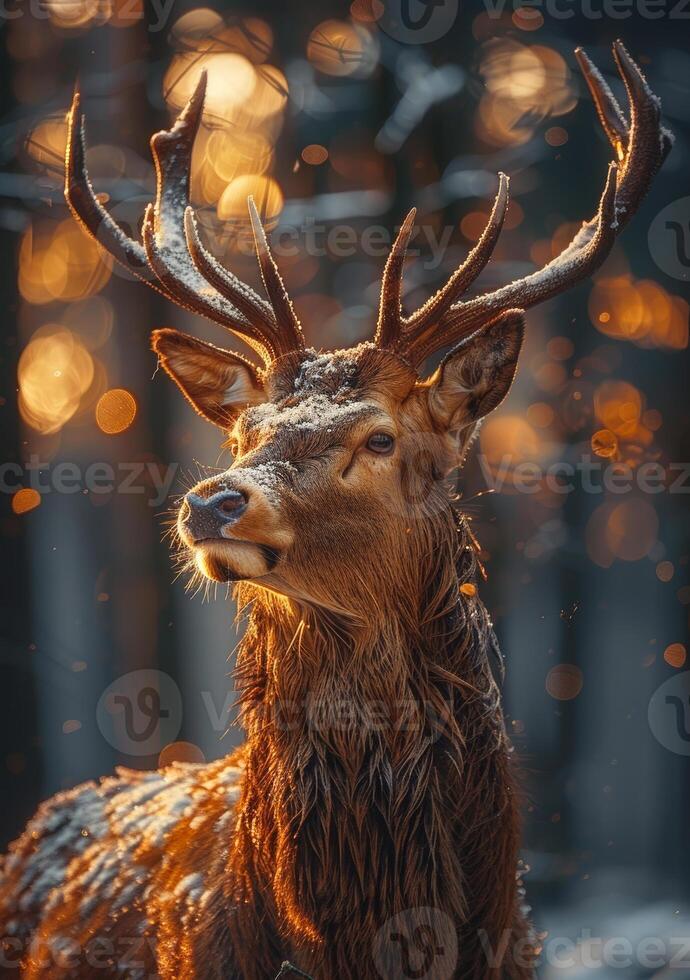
[{"x": 339, "y": 117}]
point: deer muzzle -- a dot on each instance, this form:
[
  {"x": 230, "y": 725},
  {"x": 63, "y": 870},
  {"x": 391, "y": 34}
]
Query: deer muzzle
[{"x": 204, "y": 518}]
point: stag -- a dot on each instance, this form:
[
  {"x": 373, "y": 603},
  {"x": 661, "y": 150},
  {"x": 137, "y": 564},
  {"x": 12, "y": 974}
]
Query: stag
[{"x": 315, "y": 840}]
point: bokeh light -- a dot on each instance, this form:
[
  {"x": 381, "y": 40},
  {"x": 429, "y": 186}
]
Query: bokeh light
[
  {"x": 55, "y": 371},
  {"x": 115, "y": 411},
  {"x": 564, "y": 682},
  {"x": 640, "y": 311},
  {"x": 523, "y": 85},
  {"x": 675, "y": 655},
  {"x": 25, "y": 500},
  {"x": 339, "y": 47},
  {"x": 60, "y": 263},
  {"x": 627, "y": 531}
]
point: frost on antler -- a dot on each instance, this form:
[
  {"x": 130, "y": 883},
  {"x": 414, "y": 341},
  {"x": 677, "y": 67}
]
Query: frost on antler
[
  {"x": 640, "y": 146},
  {"x": 172, "y": 258}
]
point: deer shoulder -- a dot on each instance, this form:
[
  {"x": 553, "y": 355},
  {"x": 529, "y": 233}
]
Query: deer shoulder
[{"x": 136, "y": 855}]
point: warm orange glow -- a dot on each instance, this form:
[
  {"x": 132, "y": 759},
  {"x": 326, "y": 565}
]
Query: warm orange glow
[
  {"x": 60, "y": 262},
  {"x": 556, "y": 136},
  {"x": 528, "y": 19},
  {"x": 604, "y": 443},
  {"x": 267, "y": 195},
  {"x": 243, "y": 153},
  {"x": 367, "y": 11},
  {"x": 473, "y": 224},
  {"x": 550, "y": 376},
  {"x": 641, "y": 311},
  {"x": 115, "y": 411},
  {"x": 618, "y": 405},
  {"x": 508, "y": 435},
  {"x": 664, "y": 571},
  {"x": 55, "y": 371},
  {"x": 231, "y": 81},
  {"x": 631, "y": 529},
  {"x": 180, "y": 752},
  {"x": 73, "y": 14},
  {"x": 540, "y": 414},
  {"x": 560, "y": 348},
  {"x": 315, "y": 154},
  {"x": 25, "y": 500},
  {"x": 524, "y": 84},
  {"x": 46, "y": 145},
  {"x": 468, "y": 589},
  {"x": 675, "y": 655},
  {"x": 564, "y": 682},
  {"x": 627, "y": 531},
  {"x": 339, "y": 47}
]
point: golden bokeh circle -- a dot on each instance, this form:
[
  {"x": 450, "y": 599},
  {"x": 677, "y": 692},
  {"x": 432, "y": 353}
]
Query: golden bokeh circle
[{"x": 115, "y": 411}]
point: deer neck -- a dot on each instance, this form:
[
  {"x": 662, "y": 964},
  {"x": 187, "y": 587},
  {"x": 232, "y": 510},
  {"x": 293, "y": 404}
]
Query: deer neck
[{"x": 357, "y": 776}]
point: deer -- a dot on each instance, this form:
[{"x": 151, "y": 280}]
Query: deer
[{"x": 370, "y": 824}]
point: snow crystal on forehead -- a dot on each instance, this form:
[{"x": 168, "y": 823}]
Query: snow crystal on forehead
[
  {"x": 268, "y": 477},
  {"x": 327, "y": 370},
  {"x": 311, "y": 414}
]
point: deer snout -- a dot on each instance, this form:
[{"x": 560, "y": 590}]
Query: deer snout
[{"x": 202, "y": 518}]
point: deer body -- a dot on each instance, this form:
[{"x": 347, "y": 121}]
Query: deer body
[
  {"x": 327, "y": 823},
  {"x": 373, "y": 803}
]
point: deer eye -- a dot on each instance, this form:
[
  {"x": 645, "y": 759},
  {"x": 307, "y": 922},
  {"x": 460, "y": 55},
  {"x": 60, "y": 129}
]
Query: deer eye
[{"x": 381, "y": 443}]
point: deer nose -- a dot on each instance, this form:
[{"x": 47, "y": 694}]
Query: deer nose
[{"x": 204, "y": 517}]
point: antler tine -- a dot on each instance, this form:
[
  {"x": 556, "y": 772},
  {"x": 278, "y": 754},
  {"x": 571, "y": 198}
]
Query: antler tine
[
  {"x": 163, "y": 260},
  {"x": 640, "y": 147},
  {"x": 239, "y": 293},
  {"x": 390, "y": 322},
  {"x": 84, "y": 204},
  {"x": 611, "y": 117},
  {"x": 165, "y": 242},
  {"x": 289, "y": 334},
  {"x": 429, "y": 315},
  {"x": 585, "y": 253},
  {"x": 649, "y": 143}
]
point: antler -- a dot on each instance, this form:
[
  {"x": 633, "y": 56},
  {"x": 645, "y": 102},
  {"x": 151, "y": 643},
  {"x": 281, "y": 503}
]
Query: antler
[
  {"x": 172, "y": 258},
  {"x": 641, "y": 147}
]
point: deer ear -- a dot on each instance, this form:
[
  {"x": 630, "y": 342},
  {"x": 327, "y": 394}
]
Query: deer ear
[
  {"x": 218, "y": 383},
  {"x": 474, "y": 378}
]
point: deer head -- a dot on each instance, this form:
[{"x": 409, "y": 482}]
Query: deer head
[{"x": 337, "y": 454}]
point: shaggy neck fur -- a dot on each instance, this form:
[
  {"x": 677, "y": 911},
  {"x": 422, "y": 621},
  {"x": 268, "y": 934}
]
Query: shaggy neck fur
[{"x": 377, "y": 771}]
